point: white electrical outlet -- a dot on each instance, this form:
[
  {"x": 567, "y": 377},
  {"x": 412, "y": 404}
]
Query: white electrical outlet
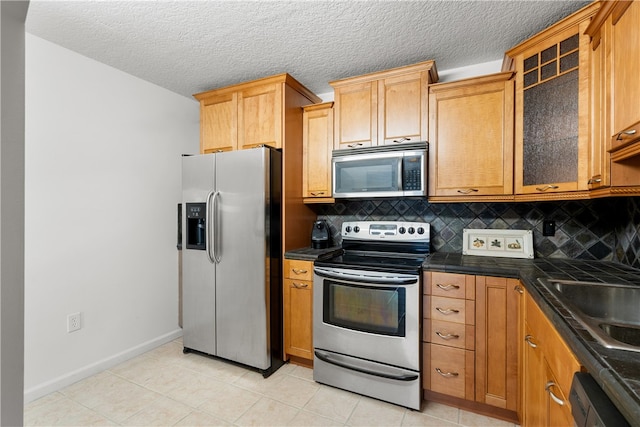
[{"x": 74, "y": 322}]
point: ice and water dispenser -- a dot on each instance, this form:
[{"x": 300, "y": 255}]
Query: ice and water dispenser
[{"x": 196, "y": 226}]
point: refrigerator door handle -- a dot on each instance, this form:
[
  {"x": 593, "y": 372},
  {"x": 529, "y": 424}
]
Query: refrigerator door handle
[
  {"x": 214, "y": 244},
  {"x": 209, "y": 228}
]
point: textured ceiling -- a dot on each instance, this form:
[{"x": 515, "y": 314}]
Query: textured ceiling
[{"x": 193, "y": 46}]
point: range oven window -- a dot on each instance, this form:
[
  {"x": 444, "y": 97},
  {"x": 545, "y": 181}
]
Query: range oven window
[{"x": 365, "y": 308}]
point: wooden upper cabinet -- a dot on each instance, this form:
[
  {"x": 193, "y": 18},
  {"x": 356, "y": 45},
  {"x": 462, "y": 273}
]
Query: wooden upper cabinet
[
  {"x": 219, "y": 118},
  {"x": 356, "y": 115},
  {"x": 552, "y": 111},
  {"x": 471, "y": 139},
  {"x": 249, "y": 114},
  {"x": 402, "y": 111},
  {"x": 386, "y": 107},
  {"x": 625, "y": 76},
  {"x": 317, "y": 143},
  {"x": 615, "y": 39}
]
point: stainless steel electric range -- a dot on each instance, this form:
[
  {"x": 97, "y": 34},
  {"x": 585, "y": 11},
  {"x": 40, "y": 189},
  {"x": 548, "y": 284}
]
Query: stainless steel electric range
[{"x": 366, "y": 311}]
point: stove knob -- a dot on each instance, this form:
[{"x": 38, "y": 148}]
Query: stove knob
[
  {"x": 356, "y": 229},
  {"x": 420, "y": 230},
  {"x": 348, "y": 229},
  {"x": 402, "y": 230},
  {"x": 412, "y": 230}
]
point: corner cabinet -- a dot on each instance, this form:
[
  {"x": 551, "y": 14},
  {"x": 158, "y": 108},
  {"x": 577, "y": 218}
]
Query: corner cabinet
[
  {"x": 474, "y": 117},
  {"x": 470, "y": 342},
  {"x": 298, "y": 311},
  {"x": 317, "y": 143},
  {"x": 548, "y": 368},
  {"x": 387, "y": 107},
  {"x": 552, "y": 111},
  {"x": 615, "y": 43}
]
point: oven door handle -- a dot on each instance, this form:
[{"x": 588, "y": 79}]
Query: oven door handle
[
  {"x": 343, "y": 364},
  {"x": 361, "y": 278}
]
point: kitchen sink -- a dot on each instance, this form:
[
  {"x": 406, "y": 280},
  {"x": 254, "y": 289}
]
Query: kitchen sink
[{"x": 610, "y": 312}]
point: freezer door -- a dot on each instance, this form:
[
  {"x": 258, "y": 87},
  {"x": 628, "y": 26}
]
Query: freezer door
[
  {"x": 198, "y": 272},
  {"x": 242, "y": 298}
]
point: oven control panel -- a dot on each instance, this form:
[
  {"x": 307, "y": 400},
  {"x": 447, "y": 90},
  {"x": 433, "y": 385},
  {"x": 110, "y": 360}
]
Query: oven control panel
[{"x": 397, "y": 231}]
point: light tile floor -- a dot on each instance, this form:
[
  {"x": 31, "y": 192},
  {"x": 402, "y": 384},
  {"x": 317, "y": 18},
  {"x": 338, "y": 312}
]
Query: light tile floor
[{"x": 165, "y": 387}]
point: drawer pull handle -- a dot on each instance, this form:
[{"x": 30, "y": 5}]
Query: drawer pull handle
[
  {"x": 300, "y": 285},
  {"x": 447, "y": 336},
  {"x": 530, "y": 342},
  {"x": 297, "y": 271},
  {"x": 519, "y": 289},
  {"x": 468, "y": 190},
  {"x": 447, "y": 374},
  {"x": 447, "y": 310},
  {"x": 356, "y": 144},
  {"x": 403, "y": 139},
  {"x": 447, "y": 287},
  {"x": 555, "y": 398},
  {"x": 317, "y": 193},
  {"x": 594, "y": 181},
  {"x": 621, "y": 135},
  {"x": 547, "y": 187}
]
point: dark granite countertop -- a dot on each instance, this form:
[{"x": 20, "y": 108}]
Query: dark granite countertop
[
  {"x": 310, "y": 254},
  {"x": 616, "y": 371}
]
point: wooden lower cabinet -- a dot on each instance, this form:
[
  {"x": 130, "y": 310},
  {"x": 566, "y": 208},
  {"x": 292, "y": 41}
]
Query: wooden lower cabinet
[
  {"x": 497, "y": 303},
  {"x": 470, "y": 343},
  {"x": 298, "y": 311},
  {"x": 547, "y": 371}
]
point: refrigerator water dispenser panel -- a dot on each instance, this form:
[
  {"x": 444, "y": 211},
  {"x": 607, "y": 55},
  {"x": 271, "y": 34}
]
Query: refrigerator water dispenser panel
[{"x": 196, "y": 226}]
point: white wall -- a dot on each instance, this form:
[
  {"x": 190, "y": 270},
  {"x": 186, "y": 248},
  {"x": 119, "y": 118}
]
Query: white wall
[{"x": 102, "y": 186}]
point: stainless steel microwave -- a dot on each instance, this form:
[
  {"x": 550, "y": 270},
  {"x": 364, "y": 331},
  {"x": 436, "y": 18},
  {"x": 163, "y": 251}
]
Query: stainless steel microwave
[{"x": 384, "y": 171}]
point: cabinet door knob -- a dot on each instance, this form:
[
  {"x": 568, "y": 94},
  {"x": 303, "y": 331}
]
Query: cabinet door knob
[
  {"x": 547, "y": 187},
  {"x": 555, "y": 398},
  {"x": 447, "y": 287},
  {"x": 447, "y": 374},
  {"x": 468, "y": 190},
  {"x": 519, "y": 289}
]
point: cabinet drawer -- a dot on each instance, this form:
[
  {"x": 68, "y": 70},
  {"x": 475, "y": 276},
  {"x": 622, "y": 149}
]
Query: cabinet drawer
[
  {"x": 449, "y": 334},
  {"x": 451, "y": 370},
  {"x": 298, "y": 269},
  {"x": 450, "y": 309},
  {"x": 451, "y": 285}
]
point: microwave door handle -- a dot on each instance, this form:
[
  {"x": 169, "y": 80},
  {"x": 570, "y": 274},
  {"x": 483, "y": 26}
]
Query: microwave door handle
[{"x": 209, "y": 229}]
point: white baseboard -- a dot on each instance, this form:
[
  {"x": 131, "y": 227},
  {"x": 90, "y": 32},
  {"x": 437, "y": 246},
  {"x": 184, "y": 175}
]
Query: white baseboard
[{"x": 60, "y": 382}]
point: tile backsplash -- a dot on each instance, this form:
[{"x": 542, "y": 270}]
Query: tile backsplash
[{"x": 601, "y": 229}]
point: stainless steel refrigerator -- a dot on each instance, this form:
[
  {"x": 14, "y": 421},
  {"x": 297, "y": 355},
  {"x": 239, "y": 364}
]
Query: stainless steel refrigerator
[{"x": 232, "y": 293}]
